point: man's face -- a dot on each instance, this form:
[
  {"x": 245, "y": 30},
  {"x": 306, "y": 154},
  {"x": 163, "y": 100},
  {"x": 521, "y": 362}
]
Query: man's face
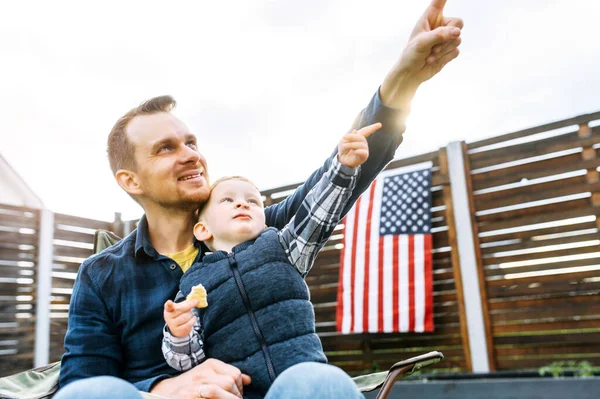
[
  {"x": 170, "y": 169},
  {"x": 234, "y": 212}
]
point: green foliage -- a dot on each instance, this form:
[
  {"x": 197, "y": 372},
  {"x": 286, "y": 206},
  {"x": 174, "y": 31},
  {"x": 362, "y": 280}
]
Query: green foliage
[
  {"x": 557, "y": 369},
  {"x": 375, "y": 367}
]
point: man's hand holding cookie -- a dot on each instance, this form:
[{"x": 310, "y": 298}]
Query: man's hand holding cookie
[{"x": 179, "y": 317}]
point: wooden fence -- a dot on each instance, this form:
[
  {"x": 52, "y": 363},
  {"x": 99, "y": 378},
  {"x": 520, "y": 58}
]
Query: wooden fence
[
  {"x": 18, "y": 276},
  {"x": 73, "y": 242},
  {"x": 533, "y": 198},
  {"x": 536, "y": 197}
]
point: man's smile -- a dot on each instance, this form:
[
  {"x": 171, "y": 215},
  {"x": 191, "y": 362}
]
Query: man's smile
[{"x": 192, "y": 175}]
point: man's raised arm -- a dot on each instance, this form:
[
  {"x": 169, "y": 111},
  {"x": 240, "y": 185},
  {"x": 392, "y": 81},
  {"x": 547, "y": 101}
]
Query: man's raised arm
[{"x": 432, "y": 44}]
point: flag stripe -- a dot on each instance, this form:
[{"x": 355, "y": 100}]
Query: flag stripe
[
  {"x": 353, "y": 265},
  {"x": 359, "y": 270},
  {"x": 368, "y": 250},
  {"x": 396, "y": 283},
  {"x": 428, "y": 283},
  {"x": 347, "y": 268},
  {"x": 419, "y": 284},
  {"x": 374, "y": 267},
  {"x": 411, "y": 283},
  {"x": 403, "y": 265},
  {"x": 341, "y": 305},
  {"x": 385, "y": 324}
]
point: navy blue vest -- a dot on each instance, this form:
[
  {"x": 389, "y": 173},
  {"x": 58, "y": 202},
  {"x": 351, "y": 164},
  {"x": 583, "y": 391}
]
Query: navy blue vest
[{"x": 259, "y": 316}]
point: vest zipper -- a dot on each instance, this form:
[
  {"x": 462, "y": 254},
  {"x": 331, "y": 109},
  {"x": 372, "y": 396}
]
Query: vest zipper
[{"x": 253, "y": 321}]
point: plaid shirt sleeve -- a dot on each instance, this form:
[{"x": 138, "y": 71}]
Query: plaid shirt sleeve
[
  {"x": 312, "y": 225},
  {"x": 184, "y": 353}
]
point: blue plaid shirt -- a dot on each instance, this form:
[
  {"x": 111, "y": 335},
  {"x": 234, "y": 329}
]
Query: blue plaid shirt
[{"x": 116, "y": 312}]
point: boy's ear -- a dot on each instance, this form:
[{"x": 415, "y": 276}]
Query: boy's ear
[
  {"x": 201, "y": 232},
  {"x": 128, "y": 181}
]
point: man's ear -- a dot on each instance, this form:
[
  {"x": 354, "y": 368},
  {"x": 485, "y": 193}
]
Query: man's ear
[
  {"x": 201, "y": 232},
  {"x": 129, "y": 181}
]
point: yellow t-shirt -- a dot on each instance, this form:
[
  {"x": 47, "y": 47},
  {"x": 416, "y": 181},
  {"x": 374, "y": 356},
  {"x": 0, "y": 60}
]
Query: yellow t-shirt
[{"x": 185, "y": 258}]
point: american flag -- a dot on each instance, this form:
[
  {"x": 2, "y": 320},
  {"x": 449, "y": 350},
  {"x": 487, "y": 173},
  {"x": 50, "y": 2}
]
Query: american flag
[{"x": 386, "y": 282}]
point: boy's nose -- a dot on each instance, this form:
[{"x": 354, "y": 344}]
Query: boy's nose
[{"x": 241, "y": 204}]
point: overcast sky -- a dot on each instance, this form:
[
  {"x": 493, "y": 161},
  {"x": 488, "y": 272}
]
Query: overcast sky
[{"x": 269, "y": 87}]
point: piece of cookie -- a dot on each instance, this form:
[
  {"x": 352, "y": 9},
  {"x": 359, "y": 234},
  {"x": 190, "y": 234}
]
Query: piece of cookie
[{"x": 198, "y": 293}]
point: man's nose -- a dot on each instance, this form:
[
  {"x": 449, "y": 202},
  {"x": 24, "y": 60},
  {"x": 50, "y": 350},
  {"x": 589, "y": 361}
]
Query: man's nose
[{"x": 189, "y": 155}]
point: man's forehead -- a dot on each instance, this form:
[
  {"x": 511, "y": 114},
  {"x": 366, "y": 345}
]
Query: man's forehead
[{"x": 148, "y": 129}]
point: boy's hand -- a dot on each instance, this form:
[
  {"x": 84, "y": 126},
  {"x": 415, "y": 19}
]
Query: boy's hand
[
  {"x": 353, "y": 149},
  {"x": 179, "y": 317}
]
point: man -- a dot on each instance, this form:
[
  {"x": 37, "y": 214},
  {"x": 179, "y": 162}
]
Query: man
[{"x": 115, "y": 318}]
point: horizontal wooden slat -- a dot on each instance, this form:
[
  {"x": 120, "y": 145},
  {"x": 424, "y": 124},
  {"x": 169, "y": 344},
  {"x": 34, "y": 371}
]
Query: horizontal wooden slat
[
  {"x": 563, "y": 311},
  {"x": 540, "y": 255},
  {"x": 65, "y": 266},
  {"x": 534, "y": 130},
  {"x": 579, "y": 299},
  {"x": 503, "y": 363},
  {"x": 535, "y": 148},
  {"x": 539, "y": 244},
  {"x": 494, "y": 273},
  {"x": 564, "y": 327},
  {"x": 517, "y": 215},
  {"x": 17, "y": 272},
  {"x": 81, "y": 222},
  {"x": 538, "y": 218},
  {"x": 527, "y": 234},
  {"x": 541, "y": 192},
  {"x": 18, "y": 221},
  {"x": 557, "y": 337},
  {"x": 531, "y": 171},
  {"x": 16, "y": 255},
  {"x": 543, "y": 284},
  {"x": 75, "y": 252},
  {"x": 14, "y": 237},
  {"x": 67, "y": 235},
  {"x": 6, "y": 208}
]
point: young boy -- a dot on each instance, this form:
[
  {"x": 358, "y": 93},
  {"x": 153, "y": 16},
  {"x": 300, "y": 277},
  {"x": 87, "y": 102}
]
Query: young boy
[{"x": 256, "y": 314}]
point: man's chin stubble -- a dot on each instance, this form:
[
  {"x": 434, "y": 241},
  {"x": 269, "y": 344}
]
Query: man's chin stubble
[{"x": 188, "y": 204}]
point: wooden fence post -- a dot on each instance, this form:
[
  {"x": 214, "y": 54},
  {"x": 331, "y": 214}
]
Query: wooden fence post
[
  {"x": 44, "y": 287},
  {"x": 451, "y": 223},
  {"x": 469, "y": 273},
  {"x": 480, "y": 273},
  {"x": 118, "y": 226}
]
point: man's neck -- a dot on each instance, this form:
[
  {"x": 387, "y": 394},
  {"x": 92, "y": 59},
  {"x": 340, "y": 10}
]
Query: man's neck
[{"x": 170, "y": 230}]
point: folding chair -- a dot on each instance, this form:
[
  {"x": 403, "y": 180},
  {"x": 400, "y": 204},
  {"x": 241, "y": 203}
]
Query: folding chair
[{"x": 42, "y": 383}]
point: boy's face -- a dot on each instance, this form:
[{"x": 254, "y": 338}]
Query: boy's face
[{"x": 234, "y": 212}]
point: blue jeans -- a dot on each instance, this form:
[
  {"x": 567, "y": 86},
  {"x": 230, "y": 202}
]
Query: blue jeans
[
  {"x": 302, "y": 381},
  {"x": 99, "y": 388},
  {"x": 313, "y": 380}
]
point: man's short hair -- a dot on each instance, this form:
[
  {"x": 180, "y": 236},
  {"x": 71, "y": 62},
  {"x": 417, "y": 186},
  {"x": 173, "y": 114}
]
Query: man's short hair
[{"x": 120, "y": 150}]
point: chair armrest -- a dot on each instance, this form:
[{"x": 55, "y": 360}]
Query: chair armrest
[{"x": 407, "y": 367}]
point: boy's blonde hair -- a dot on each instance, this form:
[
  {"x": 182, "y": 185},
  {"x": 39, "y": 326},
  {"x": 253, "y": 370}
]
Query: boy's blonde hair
[{"x": 219, "y": 181}]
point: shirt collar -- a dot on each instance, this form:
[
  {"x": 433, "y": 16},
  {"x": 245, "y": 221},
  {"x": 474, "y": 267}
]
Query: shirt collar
[{"x": 142, "y": 240}]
